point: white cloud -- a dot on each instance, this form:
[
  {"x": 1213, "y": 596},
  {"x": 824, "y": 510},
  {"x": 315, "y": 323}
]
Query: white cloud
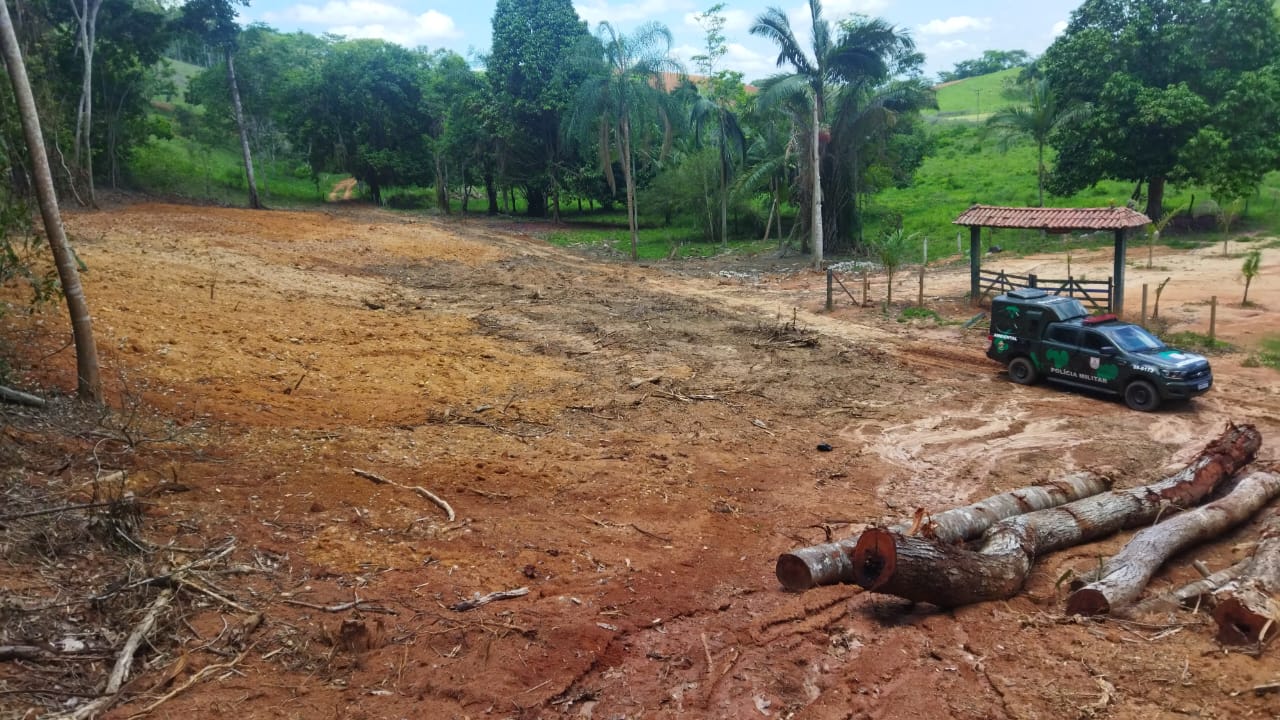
[
  {"x": 371, "y": 19},
  {"x": 1059, "y": 27},
  {"x": 339, "y": 12},
  {"x": 954, "y": 25},
  {"x": 736, "y": 22},
  {"x": 596, "y": 11}
]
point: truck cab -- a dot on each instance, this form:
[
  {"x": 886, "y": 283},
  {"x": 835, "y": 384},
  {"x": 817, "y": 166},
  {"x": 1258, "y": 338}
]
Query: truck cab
[{"x": 1038, "y": 335}]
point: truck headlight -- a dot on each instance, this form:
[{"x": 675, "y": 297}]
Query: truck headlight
[{"x": 1174, "y": 374}]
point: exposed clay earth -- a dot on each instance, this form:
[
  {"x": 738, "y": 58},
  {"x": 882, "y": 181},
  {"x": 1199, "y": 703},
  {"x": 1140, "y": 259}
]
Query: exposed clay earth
[{"x": 633, "y": 444}]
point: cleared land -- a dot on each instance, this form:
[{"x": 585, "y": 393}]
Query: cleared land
[{"x": 633, "y": 444}]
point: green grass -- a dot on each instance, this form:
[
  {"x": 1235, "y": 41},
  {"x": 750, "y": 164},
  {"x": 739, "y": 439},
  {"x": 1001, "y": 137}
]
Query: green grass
[
  {"x": 1200, "y": 342},
  {"x": 181, "y": 167},
  {"x": 609, "y": 230},
  {"x": 968, "y": 167},
  {"x": 976, "y": 97},
  {"x": 1268, "y": 354}
]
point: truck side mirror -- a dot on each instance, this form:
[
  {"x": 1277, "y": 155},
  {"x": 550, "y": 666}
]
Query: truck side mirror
[{"x": 1107, "y": 351}]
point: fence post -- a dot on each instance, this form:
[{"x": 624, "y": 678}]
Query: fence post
[
  {"x": 1144, "y": 305},
  {"x": 830, "y": 300},
  {"x": 1031, "y": 280},
  {"x": 1213, "y": 318},
  {"x": 866, "y": 287},
  {"x": 923, "y": 264}
]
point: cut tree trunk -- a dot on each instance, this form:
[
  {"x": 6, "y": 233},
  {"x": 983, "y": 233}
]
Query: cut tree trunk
[
  {"x": 1125, "y": 575},
  {"x": 1248, "y": 609},
  {"x": 829, "y": 563},
  {"x": 922, "y": 569},
  {"x": 1191, "y": 595}
]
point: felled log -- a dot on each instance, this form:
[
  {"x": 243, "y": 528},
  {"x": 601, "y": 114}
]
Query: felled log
[
  {"x": 17, "y": 397},
  {"x": 1248, "y": 607},
  {"x": 922, "y": 569},
  {"x": 1190, "y": 595},
  {"x": 829, "y": 563},
  {"x": 1125, "y": 575}
]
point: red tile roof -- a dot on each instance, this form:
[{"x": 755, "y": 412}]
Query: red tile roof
[{"x": 1052, "y": 219}]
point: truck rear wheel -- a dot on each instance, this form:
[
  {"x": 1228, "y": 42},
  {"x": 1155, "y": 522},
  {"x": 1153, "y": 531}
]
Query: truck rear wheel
[
  {"x": 1142, "y": 396},
  {"x": 1022, "y": 371}
]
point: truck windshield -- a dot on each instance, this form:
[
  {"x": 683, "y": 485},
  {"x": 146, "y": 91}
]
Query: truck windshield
[{"x": 1132, "y": 338}]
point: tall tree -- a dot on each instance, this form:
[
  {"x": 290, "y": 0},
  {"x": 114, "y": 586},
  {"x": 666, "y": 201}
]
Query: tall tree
[
  {"x": 713, "y": 110},
  {"x": 845, "y": 69},
  {"x": 365, "y": 114},
  {"x": 215, "y": 22},
  {"x": 531, "y": 88},
  {"x": 1036, "y": 120},
  {"x": 629, "y": 88},
  {"x": 1182, "y": 90},
  {"x": 86, "y": 15},
  {"x": 88, "y": 383}
]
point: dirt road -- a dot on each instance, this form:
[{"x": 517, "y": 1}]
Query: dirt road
[{"x": 634, "y": 445}]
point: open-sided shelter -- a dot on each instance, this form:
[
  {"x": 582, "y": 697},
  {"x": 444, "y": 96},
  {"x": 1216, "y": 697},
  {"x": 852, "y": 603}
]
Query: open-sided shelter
[{"x": 1055, "y": 221}]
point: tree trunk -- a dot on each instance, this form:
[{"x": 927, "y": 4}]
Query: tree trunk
[
  {"x": 815, "y": 160},
  {"x": 1124, "y": 576},
  {"x": 1191, "y": 595},
  {"x": 1155, "y": 198},
  {"x": 1248, "y": 606},
  {"x": 926, "y": 570},
  {"x": 491, "y": 192},
  {"x": 254, "y": 202},
  {"x": 830, "y": 564},
  {"x": 628, "y": 176},
  {"x": 86, "y": 14},
  {"x": 88, "y": 384},
  {"x": 442, "y": 186}
]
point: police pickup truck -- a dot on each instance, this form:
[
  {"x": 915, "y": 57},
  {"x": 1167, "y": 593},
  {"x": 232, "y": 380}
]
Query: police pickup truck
[{"x": 1040, "y": 335}]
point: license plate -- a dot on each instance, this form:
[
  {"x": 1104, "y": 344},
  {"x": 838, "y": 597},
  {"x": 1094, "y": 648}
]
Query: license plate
[{"x": 1203, "y": 386}]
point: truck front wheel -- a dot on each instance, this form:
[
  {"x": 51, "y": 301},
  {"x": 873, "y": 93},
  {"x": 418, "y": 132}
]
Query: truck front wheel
[
  {"x": 1022, "y": 371},
  {"x": 1142, "y": 396}
]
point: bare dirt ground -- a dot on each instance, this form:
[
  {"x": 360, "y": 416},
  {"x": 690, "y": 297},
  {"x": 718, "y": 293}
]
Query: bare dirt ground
[{"x": 634, "y": 444}]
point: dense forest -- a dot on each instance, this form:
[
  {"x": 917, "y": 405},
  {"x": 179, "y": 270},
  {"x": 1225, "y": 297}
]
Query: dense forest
[{"x": 562, "y": 116}]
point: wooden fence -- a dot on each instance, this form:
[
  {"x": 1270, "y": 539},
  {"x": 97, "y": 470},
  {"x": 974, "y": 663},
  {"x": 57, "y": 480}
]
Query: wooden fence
[{"x": 1095, "y": 293}]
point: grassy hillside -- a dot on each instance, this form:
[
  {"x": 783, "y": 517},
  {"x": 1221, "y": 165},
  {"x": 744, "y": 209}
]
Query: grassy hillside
[{"x": 975, "y": 97}]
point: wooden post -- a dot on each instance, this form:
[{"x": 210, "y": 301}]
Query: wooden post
[
  {"x": 830, "y": 300},
  {"x": 924, "y": 262},
  {"x": 866, "y": 287},
  {"x": 1144, "y": 305},
  {"x": 1117, "y": 275},
  {"x": 975, "y": 262},
  {"x": 1213, "y": 318}
]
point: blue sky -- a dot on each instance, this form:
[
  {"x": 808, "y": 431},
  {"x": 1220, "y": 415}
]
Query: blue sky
[{"x": 947, "y": 32}]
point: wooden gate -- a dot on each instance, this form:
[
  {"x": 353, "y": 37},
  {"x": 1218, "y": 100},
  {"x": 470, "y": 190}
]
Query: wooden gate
[{"x": 1094, "y": 293}]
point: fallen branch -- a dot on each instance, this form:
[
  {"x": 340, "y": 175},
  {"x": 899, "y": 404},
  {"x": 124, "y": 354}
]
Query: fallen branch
[
  {"x": 195, "y": 678},
  {"x": 830, "y": 564},
  {"x": 124, "y": 661},
  {"x": 378, "y": 480},
  {"x": 1124, "y": 576},
  {"x": 67, "y": 508},
  {"x": 22, "y": 652},
  {"x": 17, "y": 397},
  {"x": 356, "y": 604},
  {"x": 924, "y": 569},
  {"x": 479, "y": 599}
]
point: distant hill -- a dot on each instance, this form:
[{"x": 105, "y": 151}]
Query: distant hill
[{"x": 976, "y": 97}]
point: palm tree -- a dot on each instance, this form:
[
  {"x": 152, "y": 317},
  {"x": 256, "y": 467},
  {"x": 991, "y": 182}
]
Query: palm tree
[
  {"x": 1037, "y": 119},
  {"x": 708, "y": 114},
  {"x": 845, "y": 68},
  {"x": 88, "y": 385},
  {"x": 630, "y": 83}
]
